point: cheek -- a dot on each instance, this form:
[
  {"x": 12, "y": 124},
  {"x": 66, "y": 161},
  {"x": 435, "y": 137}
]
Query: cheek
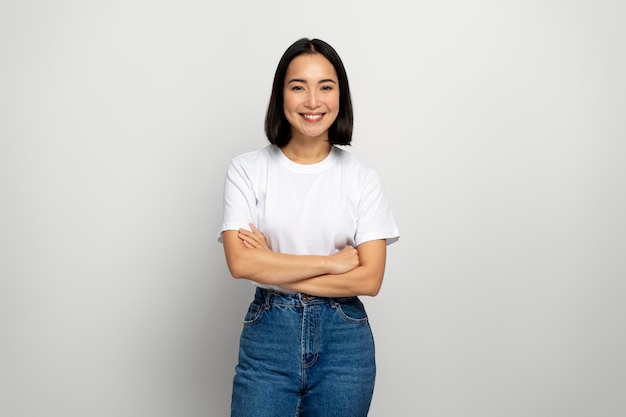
[
  {"x": 289, "y": 102},
  {"x": 288, "y": 111},
  {"x": 334, "y": 103}
]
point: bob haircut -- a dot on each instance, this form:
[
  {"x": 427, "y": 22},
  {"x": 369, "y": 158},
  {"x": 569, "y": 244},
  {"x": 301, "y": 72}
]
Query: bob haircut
[{"x": 277, "y": 127}]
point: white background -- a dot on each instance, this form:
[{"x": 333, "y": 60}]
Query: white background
[{"x": 498, "y": 128}]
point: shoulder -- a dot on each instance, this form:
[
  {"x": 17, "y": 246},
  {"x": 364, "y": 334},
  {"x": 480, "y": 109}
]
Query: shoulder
[
  {"x": 360, "y": 173},
  {"x": 262, "y": 154},
  {"x": 352, "y": 162},
  {"x": 254, "y": 159}
]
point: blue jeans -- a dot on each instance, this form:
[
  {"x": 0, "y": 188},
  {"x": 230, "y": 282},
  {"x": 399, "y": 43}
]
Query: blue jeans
[{"x": 304, "y": 356}]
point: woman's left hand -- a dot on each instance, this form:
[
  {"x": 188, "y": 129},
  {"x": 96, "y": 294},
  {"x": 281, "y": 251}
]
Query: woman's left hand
[{"x": 253, "y": 239}]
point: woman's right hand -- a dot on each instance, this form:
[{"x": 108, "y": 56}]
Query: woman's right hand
[
  {"x": 253, "y": 239},
  {"x": 343, "y": 261}
]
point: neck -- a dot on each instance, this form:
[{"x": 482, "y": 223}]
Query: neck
[{"x": 306, "y": 152}]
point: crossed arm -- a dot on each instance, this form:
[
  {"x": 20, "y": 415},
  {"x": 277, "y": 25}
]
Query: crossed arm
[{"x": 349, "y": 272}]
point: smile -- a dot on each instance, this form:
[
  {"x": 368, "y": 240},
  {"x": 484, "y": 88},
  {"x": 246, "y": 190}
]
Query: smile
[{"x": 313, "y": 117}]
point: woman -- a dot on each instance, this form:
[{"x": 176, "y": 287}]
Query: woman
[{"x": 308, "y": 223}]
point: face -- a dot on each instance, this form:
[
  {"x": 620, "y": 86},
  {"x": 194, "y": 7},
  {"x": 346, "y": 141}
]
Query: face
[{"x": 311, "y": 96}]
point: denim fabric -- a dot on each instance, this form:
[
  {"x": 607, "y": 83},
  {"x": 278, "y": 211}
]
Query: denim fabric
[{"x": 304, "y": 356}]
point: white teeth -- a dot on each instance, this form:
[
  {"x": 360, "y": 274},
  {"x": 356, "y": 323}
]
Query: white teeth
[{"x": 312, "y": 116}]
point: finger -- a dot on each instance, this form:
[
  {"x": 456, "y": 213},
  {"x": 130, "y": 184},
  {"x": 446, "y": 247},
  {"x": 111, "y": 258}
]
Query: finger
[
  {"x": 252, "y": 242},
  {"x": 246, "y": 234},
  {"x": 247, "y": 242},
  {"x": 252, "y": 238},
  {"x": 257, "y": 232}
]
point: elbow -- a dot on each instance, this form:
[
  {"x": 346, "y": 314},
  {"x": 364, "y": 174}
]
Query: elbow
[
  {"x": 373, "y": 292},
  {"x": 373, "y": 289},
  {"x": 240, "y": 270},
  {"x": 236, "y": 271},
  {"x": 235, "y": 275},
  {"x": 238, "y": 266}
]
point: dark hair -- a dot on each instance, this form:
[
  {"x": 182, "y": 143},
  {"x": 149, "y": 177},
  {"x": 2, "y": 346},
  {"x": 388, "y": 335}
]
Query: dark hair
[{"x": 277, "y": 127}]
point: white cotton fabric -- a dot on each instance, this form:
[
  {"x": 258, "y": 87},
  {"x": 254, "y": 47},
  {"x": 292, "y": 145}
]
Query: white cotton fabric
[{"x": 313, "y": 209}]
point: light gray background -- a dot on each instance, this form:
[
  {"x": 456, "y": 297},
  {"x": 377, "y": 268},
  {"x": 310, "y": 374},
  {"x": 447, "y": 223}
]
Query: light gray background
[{"x": 498, "y": 128}]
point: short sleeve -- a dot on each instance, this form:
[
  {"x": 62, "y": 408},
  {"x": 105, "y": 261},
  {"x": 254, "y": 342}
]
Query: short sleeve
[
  {"x": 239, "y": 199},
  {"x": 375, "y": 218}
]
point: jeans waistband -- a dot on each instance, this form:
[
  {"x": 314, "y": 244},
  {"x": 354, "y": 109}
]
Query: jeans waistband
[{"x": 273, "y": 297}]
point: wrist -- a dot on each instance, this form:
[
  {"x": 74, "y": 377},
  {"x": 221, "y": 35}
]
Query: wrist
[{"x": 327, "y": 265}]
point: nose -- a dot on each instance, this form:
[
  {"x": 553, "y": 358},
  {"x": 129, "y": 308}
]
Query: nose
[{"x": 312, "y": 100}]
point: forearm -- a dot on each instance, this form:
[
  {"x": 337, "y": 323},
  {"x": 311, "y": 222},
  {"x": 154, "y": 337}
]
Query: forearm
[
  {"x": 356, "y": 282},
  {"x": 274, "y": 268},
  {"x": 248, "y": 256},
  {"x": 366, "y": 279}
]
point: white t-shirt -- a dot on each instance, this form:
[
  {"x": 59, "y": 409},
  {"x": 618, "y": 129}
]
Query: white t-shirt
[{"x": 313, "y": 209}]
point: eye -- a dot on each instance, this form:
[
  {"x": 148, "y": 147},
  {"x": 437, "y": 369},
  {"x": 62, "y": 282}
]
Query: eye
[
  {"x": 297, "y": 88},
  {"x": 327, "y": 87}
]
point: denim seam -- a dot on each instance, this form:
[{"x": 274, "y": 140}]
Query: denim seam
[
  {"x": 313, "y": 325},
  {"x": 349, "y": 319}
]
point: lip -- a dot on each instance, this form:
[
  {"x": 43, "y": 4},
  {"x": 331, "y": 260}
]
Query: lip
[{"x": 312, "y": 117}]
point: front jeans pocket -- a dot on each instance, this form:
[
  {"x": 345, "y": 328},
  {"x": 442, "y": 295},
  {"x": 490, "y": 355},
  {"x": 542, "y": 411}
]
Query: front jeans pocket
[
  {"x": 254, "y": 314},
  {"x": 351, "y": 310}
]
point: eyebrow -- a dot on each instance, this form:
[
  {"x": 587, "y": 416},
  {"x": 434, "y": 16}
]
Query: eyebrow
[{"x": 300, "y": 80}]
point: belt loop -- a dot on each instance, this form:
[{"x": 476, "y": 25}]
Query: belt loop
[{"x": 268, "y": 294}]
